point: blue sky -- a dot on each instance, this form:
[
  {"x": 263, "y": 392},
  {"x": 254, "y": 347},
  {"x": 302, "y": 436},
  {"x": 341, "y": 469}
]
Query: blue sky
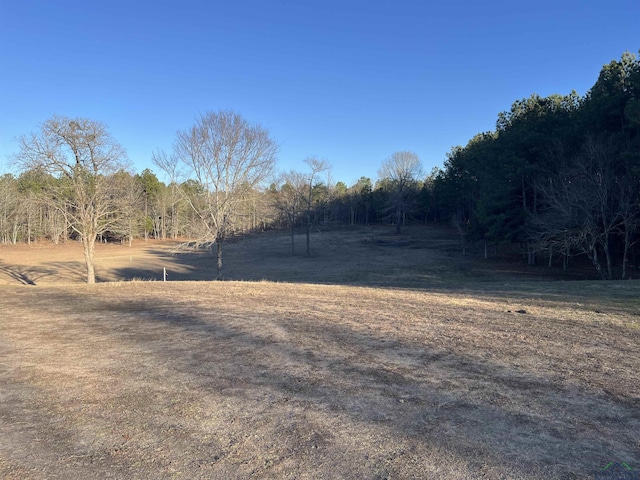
[{"x": 347, "y": 81}]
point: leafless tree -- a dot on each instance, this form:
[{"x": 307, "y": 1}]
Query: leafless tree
[
  {"x": 585, "y": 205},
  {"x": 295, "y": 197},
  {"x": 316, "y": 167},
  {"x": 9, "y": 206},
  {"x": 223, "y": 154},
  {"x": 83, "y": 156},
  {"x": 289, "y": 200},
  {"x": 402, "y": 169}
]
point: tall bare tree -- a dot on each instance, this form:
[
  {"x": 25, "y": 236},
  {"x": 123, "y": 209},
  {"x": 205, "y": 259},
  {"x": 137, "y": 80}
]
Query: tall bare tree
[
  {"x": 83, "y": 156},
  {"x": 224, "y": 154},
  {"x": 288, "y": 200},
  {"x": 402, "y": 169},
  {"x": 316, "y": 167}
]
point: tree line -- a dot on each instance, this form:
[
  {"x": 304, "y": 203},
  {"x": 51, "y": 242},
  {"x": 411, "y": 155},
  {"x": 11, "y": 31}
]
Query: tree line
[
  {"x": 559, "y": 174},
  {"x": 75, "y": 184}
]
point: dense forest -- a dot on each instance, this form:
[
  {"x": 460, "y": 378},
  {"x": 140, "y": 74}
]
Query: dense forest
[{"x": 559, "y": 175}]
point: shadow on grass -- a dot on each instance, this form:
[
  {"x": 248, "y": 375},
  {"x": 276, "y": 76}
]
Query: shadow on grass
[
  {"x": 479, "y": 410},
  {"x": 179, "y": 267},
  {"x": 71, "y": 271},
  {"x": 31, "y": 275},
  {"x": 422, "y": 258},
  {"x": 21, "y": 274}
]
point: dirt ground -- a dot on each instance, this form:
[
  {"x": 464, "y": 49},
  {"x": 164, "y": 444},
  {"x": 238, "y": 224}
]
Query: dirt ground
[{"x": 378, "y": 357}]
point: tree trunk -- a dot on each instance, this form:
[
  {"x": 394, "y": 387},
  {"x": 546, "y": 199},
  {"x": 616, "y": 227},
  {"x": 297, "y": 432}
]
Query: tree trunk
[
  {"x": 88, "y": 247},
  {"x": 625, "y": 254},
  {"x": 146, "y": 216},
  {"x": 308, "y": 234},
  {"x": 629, "y": 246},
  {"x": 607, "y": 256},
  {"x": 14, "y": 232},
  {"x": 28, "y": 227},
  {"x": 219, "y": 256},
  {"x": 293, "y": 237},
  {"x": 531, "y": 254},
  {"x": 596, "y": 262}
]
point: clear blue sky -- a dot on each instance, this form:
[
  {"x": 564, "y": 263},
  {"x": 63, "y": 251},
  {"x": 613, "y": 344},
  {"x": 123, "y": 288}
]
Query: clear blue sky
[{"x": 347, "y": 81}]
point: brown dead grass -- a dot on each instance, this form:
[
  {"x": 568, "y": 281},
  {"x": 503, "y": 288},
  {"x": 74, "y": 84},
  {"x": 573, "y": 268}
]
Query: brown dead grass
[
  {"x": 423, "y": 257},
  {"x": 283, "y": 380}
]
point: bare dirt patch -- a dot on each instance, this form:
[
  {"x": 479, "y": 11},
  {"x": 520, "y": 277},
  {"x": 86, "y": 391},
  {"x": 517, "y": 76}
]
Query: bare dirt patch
[{"x": 498, "y": 378}]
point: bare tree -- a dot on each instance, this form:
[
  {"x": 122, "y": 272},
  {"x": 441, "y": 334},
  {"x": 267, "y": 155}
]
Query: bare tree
[
  {"x": 289, "y": 200},
  {"x": 402, "y": 169},
  {"x": 83, "y": 156},
  {"x": 224, "y": 154},
  {"x": 629, "y": 211},
  {"x": 295, "y": 198},
  {"x": 585, "y": 205},
  {"x": 316, "y": 167},
  {"x": 9, "y": 206}
]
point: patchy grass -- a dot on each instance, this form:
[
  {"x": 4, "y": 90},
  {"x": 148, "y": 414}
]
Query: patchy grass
[
  {"x": 454, "y": 377},
  {"x": 423, "y": 257}
]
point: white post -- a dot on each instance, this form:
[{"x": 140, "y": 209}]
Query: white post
[{"x": 164, "y": 274}]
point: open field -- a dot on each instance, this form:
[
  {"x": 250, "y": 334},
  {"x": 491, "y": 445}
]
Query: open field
[
  {"x": 422, "y": 257},
  {"x": 409, "y": 362}
]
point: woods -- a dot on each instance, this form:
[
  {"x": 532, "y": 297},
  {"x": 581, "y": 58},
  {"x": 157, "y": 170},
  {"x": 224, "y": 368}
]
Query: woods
[{"x": 559, "y": 175}]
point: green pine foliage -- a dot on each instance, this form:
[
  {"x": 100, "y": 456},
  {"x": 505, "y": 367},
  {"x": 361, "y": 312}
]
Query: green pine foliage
[{"x": 561, "y": 174}]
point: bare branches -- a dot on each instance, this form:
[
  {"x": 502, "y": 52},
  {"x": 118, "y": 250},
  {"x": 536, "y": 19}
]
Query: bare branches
[
  {"x": 225, "y": 155},
  {"x": 65, "y": 145},
  {"x": 222, "y": 151},
  {"x": 83, "y": 157},
  {"x": 583, "y": 206},
  {"x": 402, "y": 170}
]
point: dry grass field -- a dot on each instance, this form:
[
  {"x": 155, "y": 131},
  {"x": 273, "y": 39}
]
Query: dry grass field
[{"x": 378, "y": 357}]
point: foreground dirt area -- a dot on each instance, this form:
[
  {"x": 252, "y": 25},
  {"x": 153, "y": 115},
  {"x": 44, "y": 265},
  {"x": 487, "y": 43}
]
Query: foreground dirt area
[{"x": 412, "y": 364}]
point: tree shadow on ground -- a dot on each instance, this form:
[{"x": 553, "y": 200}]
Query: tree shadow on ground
[
  {"x": 71, "y": 271},
  {"x": 482, "y": 412},
  {"x": 25, "y": 274},
  {"x": 422, "y": 258}
]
